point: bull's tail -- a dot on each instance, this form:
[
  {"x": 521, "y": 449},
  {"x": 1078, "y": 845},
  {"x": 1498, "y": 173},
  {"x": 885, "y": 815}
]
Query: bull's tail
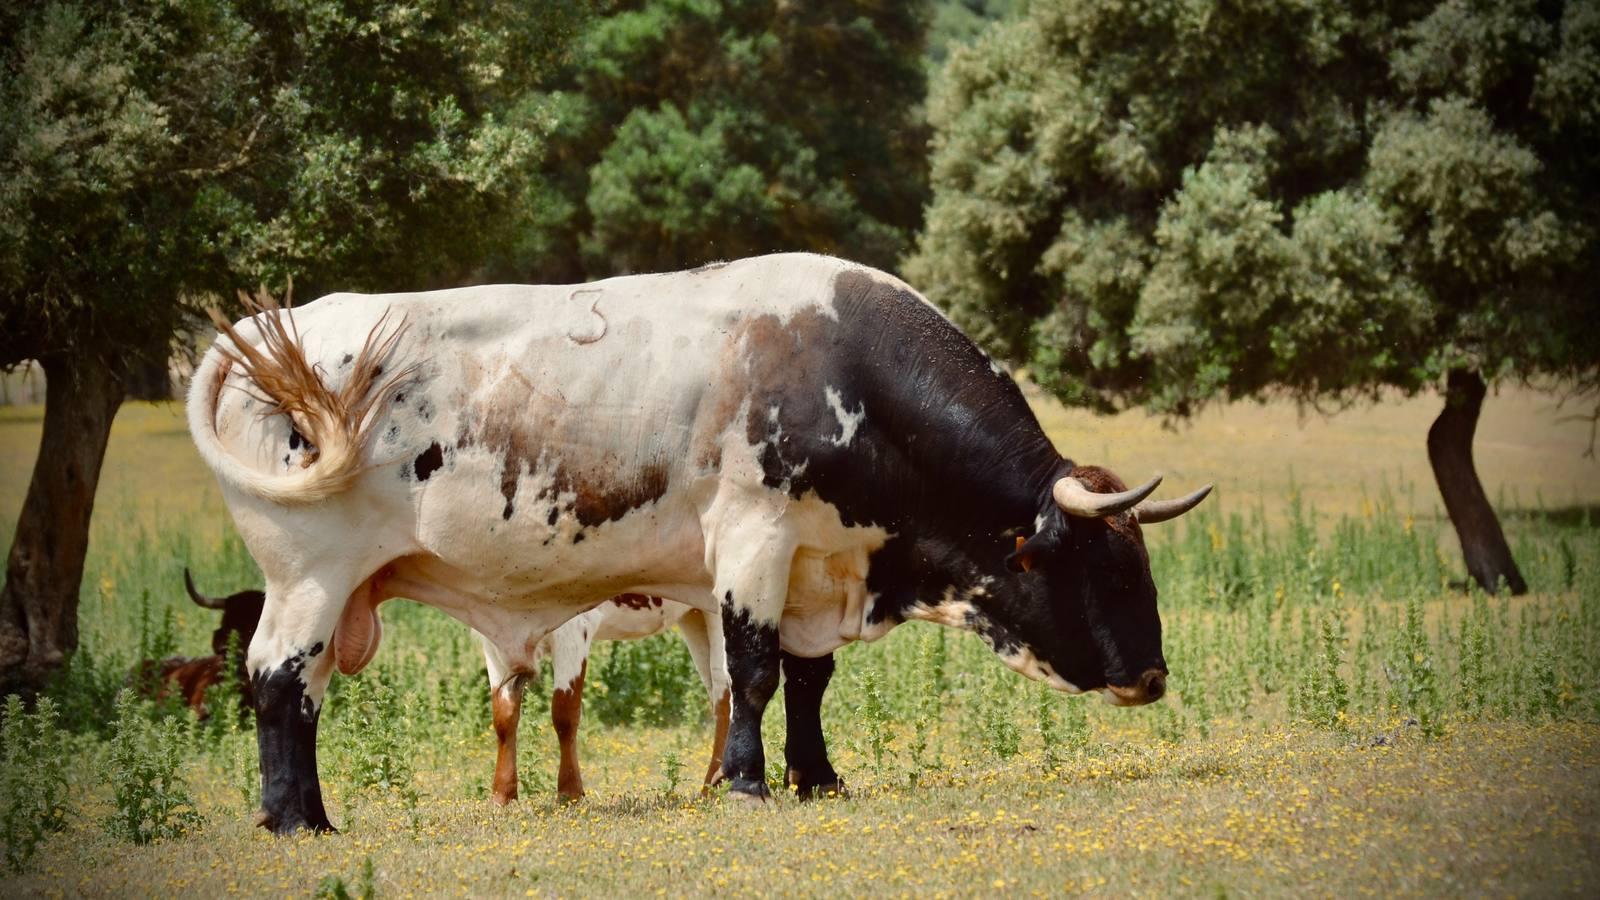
[{"x": 335, "y": 424}]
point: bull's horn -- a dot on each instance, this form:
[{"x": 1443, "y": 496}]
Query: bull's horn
[
  {"x": 199, "y": 598},
  {"x": 1075, "y": 499},
  {"x": 1153, "y": 511}
]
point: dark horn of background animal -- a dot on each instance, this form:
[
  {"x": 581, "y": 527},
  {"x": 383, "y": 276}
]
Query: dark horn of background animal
[{"x": 199, "y": 598}]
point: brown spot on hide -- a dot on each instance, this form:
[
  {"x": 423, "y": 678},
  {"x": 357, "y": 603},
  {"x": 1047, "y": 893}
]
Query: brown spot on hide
[
  {"x": 534, "y": 429},
  {"x": 636, "y": 601},
  {"x": 763, "y": 355}
]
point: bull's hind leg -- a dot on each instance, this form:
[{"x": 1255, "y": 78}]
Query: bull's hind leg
[
  {"x": 505, "y": 693},
  {"x": 805, "y": 749},
  {"x": 569, "y": 661},
  {"x": 291, "y": 659},
  {"x": 702, "y": 634},
  {"x": 566, "y": 709}
]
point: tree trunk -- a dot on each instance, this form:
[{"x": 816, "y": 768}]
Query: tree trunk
[
  {"x": 1483, "y": 543},
  {"x": 39, "y": 602}
]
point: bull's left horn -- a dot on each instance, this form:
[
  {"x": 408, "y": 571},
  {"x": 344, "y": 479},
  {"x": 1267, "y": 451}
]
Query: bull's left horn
[
  {"x": 1075, "y": 498},
  {"x": 199, "y": 598},
  {"x": 1153, "y": 511}
]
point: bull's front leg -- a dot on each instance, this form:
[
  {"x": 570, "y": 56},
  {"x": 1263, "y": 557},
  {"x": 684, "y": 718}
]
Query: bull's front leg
[
  {"x": 752, "y": 586},
  {"x": 752, "y": 647},
  {"x": 805, "y": 749},
  {"x": 291, "y": 659}
]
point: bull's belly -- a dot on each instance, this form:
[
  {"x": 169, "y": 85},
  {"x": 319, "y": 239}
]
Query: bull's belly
[
  {"x": 828, "y": 604},
  {"x": 516, "y": 580}
]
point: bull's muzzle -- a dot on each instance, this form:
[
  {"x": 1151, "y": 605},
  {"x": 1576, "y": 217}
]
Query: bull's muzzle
[{"x": 1150, "y": 687}]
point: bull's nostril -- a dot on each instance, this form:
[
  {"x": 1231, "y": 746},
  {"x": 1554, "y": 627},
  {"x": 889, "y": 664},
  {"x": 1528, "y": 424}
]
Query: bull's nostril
[{"x": 1154, "y": 683}]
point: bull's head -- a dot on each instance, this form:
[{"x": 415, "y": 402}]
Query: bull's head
[
  {"x": 1085, "y": 617},
  {"x": 241, "y": 612}
]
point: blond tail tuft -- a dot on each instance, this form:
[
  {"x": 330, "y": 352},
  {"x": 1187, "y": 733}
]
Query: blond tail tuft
[{"x": 335, "y": 424}]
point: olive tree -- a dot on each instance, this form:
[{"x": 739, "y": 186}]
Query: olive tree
[{"x": 1165, "y": 205}]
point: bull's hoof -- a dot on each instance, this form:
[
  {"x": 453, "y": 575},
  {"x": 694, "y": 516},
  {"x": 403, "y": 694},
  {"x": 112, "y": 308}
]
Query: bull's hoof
[
  {"x": 834, "y": 789},
  {"x": 825, "y": 784},
  {"x": 749, "y": 793},
  {"x": 504, "y": 799},
  {"x": 286, "y": 825},
  {"x": 570, "y": 795}
]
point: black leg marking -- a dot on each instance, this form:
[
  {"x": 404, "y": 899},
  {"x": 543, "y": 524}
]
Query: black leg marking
[
  {"x": 752, "y": 650},
  {"x": 806, "y": 750},
  {"x": 286, "y": 735}
]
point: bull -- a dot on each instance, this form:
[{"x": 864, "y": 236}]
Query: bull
[{"x": 800, "y": 446}]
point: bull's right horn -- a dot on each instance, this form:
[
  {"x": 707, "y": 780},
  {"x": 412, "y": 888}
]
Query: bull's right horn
[
  {"x": 199, "y": 598},
  {"x": 1151, "y": 511},
  {"x": 1075, "y": 498}
]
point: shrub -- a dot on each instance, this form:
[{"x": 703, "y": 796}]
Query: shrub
[
  {"x": 376, "y": 750},
  {"x": 33, "y": 782},
  {"x": 152, "y": 800},
  {"x": 647, "y": 682}
]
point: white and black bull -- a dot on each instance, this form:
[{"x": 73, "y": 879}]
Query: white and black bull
[{"x": 799, "y": 445}]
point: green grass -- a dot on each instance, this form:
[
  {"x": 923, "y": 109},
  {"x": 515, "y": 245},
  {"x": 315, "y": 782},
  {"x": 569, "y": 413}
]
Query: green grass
[{"x": 1341, "y": 719}]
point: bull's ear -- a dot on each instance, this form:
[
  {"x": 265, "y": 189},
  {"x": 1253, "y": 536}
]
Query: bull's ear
[
  {"x": 1019, "y": 561},
  {"x": 1028, "y": 551}
]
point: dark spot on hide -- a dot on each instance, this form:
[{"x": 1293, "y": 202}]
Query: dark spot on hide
[
  {"x": 635, "y": 601},
  {"x": 295, "y": 438},
  {"x": 429, "y": 461},
  {"x": 348, "y": 357},
  {"x": 555, "y": 514}
]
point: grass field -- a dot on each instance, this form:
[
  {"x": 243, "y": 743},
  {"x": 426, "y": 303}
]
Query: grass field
[{"x": 1343, "y": 718}]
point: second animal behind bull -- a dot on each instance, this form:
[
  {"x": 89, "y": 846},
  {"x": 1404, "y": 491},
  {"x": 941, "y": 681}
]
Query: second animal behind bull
[{"x": 623, "y": 618}]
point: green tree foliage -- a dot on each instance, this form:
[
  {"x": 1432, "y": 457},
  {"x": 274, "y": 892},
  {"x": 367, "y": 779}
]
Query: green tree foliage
[
  {"x": 1173, "y": 203},
  {"x": 958, "y": 22},
  {"x": 155, "y": 156},
  {"x": 1169, "y": 204},
  {"x": 693, "y": 130}
]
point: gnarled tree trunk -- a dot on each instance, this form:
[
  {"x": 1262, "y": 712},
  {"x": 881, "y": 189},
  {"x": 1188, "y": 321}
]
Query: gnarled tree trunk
[
  {"x": 1483, "y": 543},
  {"x": 39, "y": 602}
]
